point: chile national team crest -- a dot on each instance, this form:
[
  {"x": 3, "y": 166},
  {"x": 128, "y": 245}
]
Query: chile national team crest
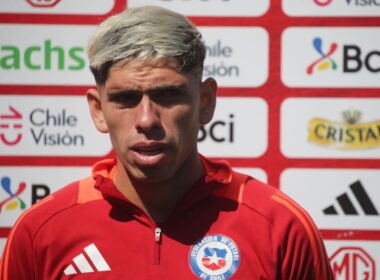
[{"x": 214, "y": 257}]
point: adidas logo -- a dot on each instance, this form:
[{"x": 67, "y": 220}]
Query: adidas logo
[
  {"x": 82, "y": 262},
  {"x": 347, "y": 205}
]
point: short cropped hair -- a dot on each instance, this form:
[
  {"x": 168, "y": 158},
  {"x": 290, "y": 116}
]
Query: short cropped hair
[{"x": 148, "y": 34}]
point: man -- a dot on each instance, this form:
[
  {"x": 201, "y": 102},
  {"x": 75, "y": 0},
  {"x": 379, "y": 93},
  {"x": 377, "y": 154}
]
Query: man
[{"x": 159, "y": 210}]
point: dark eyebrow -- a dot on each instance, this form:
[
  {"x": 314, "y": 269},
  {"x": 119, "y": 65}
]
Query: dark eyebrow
[
  {"x": 118, "y": 95},
  {"x": 163, "y": 89},
  {"x": 156, "y": 90},
  {"x": 123, "y": 91}
]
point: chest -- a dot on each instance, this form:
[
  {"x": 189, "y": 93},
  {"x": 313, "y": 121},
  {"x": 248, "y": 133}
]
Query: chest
[{"x": 119, "y": 246}]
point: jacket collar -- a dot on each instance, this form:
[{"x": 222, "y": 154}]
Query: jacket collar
[
  {"x": 217, "y": 171},
  {"x": 217, "y": 174}
]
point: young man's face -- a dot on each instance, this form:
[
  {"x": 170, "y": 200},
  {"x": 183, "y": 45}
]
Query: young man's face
[{"x": 152, "y": 113}]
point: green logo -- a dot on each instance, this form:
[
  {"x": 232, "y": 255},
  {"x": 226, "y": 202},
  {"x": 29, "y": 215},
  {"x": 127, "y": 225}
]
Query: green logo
[{"x": 45, "y": 57}]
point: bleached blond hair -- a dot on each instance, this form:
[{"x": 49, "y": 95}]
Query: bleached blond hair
[{"x": 147, "y": 34}]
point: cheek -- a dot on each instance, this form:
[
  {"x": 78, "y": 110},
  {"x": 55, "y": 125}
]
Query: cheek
[
  {"x": 188, "y": 122},
  {"x": 118, "y": 123},
  {"x": 116, "y": 117}
]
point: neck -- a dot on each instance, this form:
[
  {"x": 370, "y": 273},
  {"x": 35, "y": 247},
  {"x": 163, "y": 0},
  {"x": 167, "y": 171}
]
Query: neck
[{"x": 158, "y": 199}]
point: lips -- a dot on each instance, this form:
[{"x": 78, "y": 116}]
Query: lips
[
  {"x": 149, "y": 151},
  {"x": 149, "y": 154},
  {"x": 149, "y": 147}
]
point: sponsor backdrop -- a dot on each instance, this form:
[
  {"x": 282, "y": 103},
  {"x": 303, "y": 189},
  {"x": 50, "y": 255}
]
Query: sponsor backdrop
[{"x": 298, "y": 107}]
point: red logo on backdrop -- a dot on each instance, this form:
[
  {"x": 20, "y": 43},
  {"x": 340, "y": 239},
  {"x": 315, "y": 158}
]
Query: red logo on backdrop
[
  {"x": 352, "y": 263},
  {"x": 10, "y": 125},
  {"x": 322, "y": 2},
  {"x": 43, "y": 3}
]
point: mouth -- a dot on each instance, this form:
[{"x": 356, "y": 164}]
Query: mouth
[
  {"x": 149, "y": 154},
  {"x": 149, "y": 151}
]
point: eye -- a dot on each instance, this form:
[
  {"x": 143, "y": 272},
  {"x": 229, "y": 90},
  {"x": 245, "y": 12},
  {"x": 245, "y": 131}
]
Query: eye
[
  {"x": 125, "y": 99},
  {"x": 171, "y": 93},
  {"x": 168, "y": 95}
]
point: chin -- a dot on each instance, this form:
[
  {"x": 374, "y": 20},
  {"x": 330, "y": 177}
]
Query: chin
[{"x": 150, "y": 176}]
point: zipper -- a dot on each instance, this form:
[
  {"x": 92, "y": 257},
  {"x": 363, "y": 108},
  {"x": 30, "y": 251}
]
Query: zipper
[{"x": 157, "y": 245}]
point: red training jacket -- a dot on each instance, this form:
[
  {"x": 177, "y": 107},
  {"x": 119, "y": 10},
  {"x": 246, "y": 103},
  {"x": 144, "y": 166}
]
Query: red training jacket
[{"x": 229, "y": 226}]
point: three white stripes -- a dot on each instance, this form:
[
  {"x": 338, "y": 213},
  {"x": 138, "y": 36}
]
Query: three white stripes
[{"x": 84, "y": 266}]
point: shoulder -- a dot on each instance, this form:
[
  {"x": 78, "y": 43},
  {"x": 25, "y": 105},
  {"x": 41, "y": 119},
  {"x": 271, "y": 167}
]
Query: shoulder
[
  {"x": 18, "y": 255},
  {"x": 270, "y": 202},
  {"x": 287, "y": 220},
  {"x": 41, "y": 212},
  {"x": 294, "y": 232},
  {"x": 282, "y": 212}
]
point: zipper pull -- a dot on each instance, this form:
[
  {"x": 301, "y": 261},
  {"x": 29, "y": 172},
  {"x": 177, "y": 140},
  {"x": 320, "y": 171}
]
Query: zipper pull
[{"x": 157, "y": 235}]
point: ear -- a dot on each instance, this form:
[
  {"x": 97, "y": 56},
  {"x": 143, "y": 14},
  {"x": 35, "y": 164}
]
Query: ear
[
  {"x": 208, "y": 101},
  {"x": 96, "y": 111}
]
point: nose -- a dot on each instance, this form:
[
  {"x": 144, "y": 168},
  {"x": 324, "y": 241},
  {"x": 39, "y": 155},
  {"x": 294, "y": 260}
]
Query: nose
[{"x": 148, "y": 115}]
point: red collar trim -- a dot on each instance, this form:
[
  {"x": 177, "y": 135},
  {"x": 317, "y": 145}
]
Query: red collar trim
[
  {"x": 216, "y": 170},
  {"x": 217, "y": 174},
  {"x": 105, "y": 168}
]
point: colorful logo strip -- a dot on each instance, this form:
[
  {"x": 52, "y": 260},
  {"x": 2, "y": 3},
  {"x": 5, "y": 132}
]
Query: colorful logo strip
[
  {"x": 13, "y": 200},
  {"x": 330, "y": 57},
  {"x": 325, "y": 61},
  {"x": 22, "y": 187}
]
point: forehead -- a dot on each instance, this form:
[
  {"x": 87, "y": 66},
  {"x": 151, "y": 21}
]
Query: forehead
[{"x": 150, "y": 62}]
